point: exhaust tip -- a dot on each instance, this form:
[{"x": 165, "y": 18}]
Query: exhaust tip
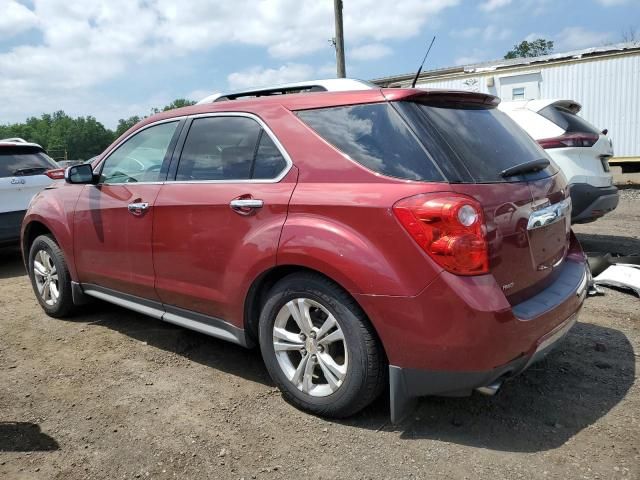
[{"x": 491, "y": 389}]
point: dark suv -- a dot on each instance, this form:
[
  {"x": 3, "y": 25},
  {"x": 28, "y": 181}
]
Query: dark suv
[{"x": 396, "y": 238}]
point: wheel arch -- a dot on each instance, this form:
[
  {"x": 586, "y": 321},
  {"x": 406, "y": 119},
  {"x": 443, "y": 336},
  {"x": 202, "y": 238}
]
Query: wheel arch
[
  {"x": 31, "y": 231},
  {"x": 257, "y": 294}
]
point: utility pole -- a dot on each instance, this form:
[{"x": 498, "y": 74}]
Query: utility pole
[{"x": 339, "y": 40}]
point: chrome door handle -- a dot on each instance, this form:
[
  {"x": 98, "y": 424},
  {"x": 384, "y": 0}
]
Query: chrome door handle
[
  {"x": 245, "y": 206},
  {"x": 138, "y": 208}
]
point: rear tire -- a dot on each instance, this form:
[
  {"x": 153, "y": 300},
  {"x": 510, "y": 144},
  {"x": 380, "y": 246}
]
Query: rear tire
[
  {"x": 50, "y": 277},
  {"x": 319, "y": 347}
]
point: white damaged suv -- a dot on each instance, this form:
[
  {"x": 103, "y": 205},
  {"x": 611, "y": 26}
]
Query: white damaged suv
[{"x": 580, "y": 150}]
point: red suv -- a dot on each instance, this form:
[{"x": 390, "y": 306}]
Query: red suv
[{"x": 404, "y": 238}]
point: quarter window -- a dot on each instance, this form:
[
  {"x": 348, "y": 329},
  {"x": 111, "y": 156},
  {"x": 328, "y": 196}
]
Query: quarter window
[
  {"x": 375, "y": 136},
  {"x": 228, "y": 148},
  {"x": 140, "y": 158}
]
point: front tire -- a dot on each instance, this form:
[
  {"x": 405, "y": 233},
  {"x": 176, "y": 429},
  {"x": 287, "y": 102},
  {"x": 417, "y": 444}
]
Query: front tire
[
  {"x": 50, "y": 277},
  {"x": 319, "y": 347}
]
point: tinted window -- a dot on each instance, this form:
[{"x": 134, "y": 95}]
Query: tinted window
[
  {"x": 375, "y": 136},
  {"x": 269, "y": 160},
  {"x": 20, "y": 161},
  {"x": 140, "y": 158},
  {"x": 567, "y": 120},
  {"x": 473, "y": 143},
  {"x": 219, "y": 148},
  {"x": 229, "y": 148}
]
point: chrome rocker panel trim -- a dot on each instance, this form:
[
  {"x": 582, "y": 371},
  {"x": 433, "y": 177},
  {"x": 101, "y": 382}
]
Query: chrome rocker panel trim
[{"x": 208, "y": 325}]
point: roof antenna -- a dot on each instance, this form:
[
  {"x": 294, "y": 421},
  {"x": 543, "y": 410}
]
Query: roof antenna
[{"x": 413, "y": 84}]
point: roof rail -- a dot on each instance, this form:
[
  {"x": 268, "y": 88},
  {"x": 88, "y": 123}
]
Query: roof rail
[
  {"x": 326, "y": 85},
  {"x": 13, "y": 140}
]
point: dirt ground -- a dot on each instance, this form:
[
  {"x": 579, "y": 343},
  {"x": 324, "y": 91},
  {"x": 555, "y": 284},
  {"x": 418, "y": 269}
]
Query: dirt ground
[{"x": 113, "y": 394}]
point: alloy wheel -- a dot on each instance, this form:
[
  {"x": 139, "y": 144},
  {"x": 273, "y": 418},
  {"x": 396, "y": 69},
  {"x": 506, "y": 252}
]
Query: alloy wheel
[
  {"x": 46, "y": 277},
  {"x": 310, "y": 347}
]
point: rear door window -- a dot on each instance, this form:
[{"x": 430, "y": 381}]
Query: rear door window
[
  {"x": 567, "y": 120},
  {"x": 473, "y": 143},
  {"x": 269, "y": 161},
  {"x": 229, "y": 148},
  {"x": 375, "y": 136},
  {"x": 23, "y": 161}
]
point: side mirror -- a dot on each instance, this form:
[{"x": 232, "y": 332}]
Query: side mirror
[{"x": 79, "y": 174}]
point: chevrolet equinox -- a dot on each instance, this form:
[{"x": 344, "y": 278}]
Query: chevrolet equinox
[{"x": 410, "y": 240}]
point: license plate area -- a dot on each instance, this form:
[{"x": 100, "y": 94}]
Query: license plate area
[
  {"x": 547, "y": 231},
  {"x": 548, "y": 245}
]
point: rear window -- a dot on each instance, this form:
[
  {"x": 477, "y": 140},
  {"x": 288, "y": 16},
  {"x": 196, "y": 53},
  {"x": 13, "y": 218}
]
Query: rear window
[
  {"x": 473, "y": 143},
  {"x": 375, "y": 136},
  {"x": 567, "y": 120},
  {"x": 22, "y": 161}
]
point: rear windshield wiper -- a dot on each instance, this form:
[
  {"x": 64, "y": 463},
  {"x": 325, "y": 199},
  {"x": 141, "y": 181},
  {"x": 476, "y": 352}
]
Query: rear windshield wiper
[
  {"x": 20, "y": 172},
  {"x": 526, "y": 167}
]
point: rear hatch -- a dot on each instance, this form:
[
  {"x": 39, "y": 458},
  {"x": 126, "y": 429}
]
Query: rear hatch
[
  {"x": 527, "y": 210},
  {"x": 592, "y": 147}
]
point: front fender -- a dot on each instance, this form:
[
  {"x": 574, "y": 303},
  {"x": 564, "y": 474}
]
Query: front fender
[{"x": 53, "y": 208}]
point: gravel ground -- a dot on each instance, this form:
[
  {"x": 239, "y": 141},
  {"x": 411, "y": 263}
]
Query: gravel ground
[{"x": 112, "y": 394}]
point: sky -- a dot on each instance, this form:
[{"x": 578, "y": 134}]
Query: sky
[{"x": 112, "y": 59}]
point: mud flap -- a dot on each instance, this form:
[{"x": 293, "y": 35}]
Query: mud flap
[{"x": 401, "y": 403}]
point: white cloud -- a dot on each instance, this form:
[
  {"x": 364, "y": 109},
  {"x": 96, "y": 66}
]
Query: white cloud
[
  {"x": 259, "y": 76},
  {"x": 371, "y": 51},
  {"x": 573, "y": 38},
  {"x": 15, "y": 18},
  {"x": 328, "y": 70},
  {"x": 611, "y": 3},
  {"x": 466, "y": 32},
  {"x": 491, "y": 5},
  {"x": 489, "y": 33},
  {"x": 467, "y": 60},
  {"x": 86, "y": 44},
  {"x": 534, "y": 36}
]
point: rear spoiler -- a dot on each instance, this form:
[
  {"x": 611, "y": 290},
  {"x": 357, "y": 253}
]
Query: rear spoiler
[{"x": 442, "y": 97}]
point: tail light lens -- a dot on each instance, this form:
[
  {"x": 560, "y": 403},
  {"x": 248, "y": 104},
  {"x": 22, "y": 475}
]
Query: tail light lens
[
  {"x": 570, "y": 140},
  {"x": 55, "y": 174},
  {"x": 449, "y": 228}
]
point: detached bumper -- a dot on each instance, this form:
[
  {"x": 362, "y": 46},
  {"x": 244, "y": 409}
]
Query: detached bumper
[{"x": 590, "y": 203}]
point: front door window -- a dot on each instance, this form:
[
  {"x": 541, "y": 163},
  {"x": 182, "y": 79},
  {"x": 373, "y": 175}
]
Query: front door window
[{"x": 140, "y": 158}]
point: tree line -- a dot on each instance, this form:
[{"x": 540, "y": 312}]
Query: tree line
[{"x": 77, "y": 138}]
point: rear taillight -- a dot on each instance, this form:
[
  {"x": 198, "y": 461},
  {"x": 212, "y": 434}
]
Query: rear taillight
[
  {"x": 450, "y": 228},
  {"x": 570, "y": 140},
  {"x": 55, "y": 174}
]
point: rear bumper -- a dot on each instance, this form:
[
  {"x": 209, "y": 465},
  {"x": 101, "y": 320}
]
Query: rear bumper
[
  {"x": 590, "y": 203},
  {"x": 461, "y": 333},
  {"x": 407, "y": 384}
]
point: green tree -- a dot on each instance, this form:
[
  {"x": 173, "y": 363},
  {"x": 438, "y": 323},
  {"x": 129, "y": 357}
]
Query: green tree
[
  {"x": 125, "y": 124},
  {"x": 177, "y": 103},
  {"x": 534, "y": 48},
  {"x": 74, "y": 138}
]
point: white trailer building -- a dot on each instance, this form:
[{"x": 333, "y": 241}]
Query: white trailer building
[{"x": 604, "y": 80}]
